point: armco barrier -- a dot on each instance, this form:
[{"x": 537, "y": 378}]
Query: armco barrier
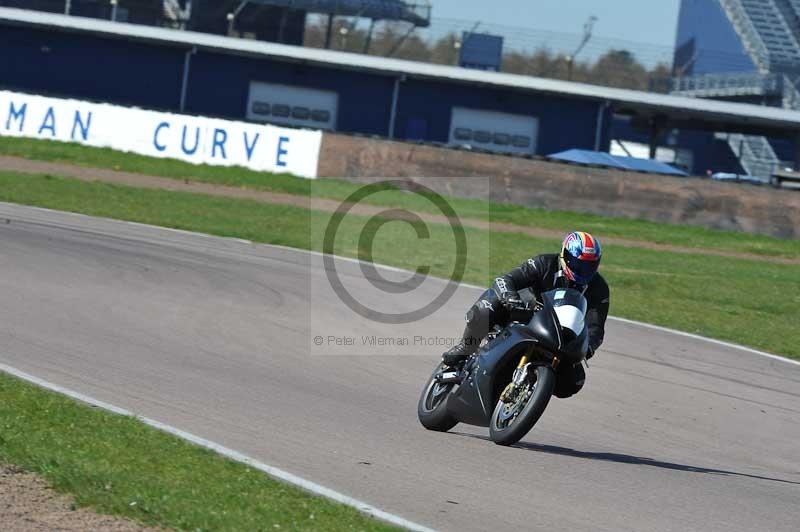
[{"x": 194, "y": 139}]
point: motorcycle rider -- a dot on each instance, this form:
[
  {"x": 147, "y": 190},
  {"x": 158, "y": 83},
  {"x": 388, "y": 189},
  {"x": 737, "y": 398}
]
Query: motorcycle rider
[{"x": 574, "y": 267}]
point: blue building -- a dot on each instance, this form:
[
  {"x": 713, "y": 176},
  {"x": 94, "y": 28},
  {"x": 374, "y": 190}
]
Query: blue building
[
  {"x": 211, "y": 75},
  {"x": 744, "y": 51}
]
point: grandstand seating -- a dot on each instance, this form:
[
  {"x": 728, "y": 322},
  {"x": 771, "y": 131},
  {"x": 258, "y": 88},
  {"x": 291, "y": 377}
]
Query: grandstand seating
[{"x": 768, "y": 31}]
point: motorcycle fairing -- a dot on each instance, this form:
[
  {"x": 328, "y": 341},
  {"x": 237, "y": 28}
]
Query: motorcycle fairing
[
  {"x": 568, "y": 308},
  {"x": 473, "y": 401},
  {"x": 544, "y": 337}
]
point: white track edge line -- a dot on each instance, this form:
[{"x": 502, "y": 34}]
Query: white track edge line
[
  {"x": 401, "y": 270},
  {"x": 706, "y": 339},
  {"x": 275, "y": 472}
]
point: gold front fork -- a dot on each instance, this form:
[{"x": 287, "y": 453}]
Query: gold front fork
[{"x": 510, "y": 387}]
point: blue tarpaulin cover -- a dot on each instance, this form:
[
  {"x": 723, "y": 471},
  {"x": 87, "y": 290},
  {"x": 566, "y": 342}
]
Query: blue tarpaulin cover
[{"x": 615, "y": 161}]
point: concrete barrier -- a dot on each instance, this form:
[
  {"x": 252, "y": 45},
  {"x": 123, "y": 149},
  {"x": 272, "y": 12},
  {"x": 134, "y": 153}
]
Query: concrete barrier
[{"x": 551, "y": 185}]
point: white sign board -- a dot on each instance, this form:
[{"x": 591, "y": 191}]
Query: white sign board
[{"x": 194, "y": 139}]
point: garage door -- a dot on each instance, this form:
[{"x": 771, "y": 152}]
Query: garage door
[
  {"x": 292, "y": 106},
  {"x": 493, "y": 131}
]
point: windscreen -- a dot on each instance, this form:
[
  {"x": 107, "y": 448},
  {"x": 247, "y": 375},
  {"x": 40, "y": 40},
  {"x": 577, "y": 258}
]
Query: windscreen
[{"x": 570, "y": 308}]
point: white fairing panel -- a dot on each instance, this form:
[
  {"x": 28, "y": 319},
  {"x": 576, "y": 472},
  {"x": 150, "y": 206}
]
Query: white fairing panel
[{"x": 571, "y": 318}]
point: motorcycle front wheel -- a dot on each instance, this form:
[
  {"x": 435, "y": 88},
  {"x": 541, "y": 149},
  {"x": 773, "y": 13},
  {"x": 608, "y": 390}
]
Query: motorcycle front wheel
[
  {"x": 511, "y": 421},
  {"x": 432, "y": 406}
]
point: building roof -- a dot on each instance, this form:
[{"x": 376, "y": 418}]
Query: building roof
[
  {"x": 673, "y": 111},
  {"x": 597, "y": 158}
]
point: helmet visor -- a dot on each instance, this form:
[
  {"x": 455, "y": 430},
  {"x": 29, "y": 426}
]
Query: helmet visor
[{"x": 583, "y": 270}]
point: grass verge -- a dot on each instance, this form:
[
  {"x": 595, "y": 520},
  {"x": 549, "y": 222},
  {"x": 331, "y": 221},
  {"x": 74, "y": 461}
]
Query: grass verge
[
  {"x": 563, "y": 221},
  {"x": 120, "y": 466}
]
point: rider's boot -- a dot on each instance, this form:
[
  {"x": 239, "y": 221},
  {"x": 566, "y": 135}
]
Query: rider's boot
[
  {"x": 457, "y": 354},
  {"x": 461, "y": 351},
  {"x": 478, "y": 320}
]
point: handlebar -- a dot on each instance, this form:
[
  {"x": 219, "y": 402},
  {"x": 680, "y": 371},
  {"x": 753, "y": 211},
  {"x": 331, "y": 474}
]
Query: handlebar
[
  {"x": 516, "y": 304},
  {"x": 521, "y": 311},
  {"x": 520, "y": 305}
]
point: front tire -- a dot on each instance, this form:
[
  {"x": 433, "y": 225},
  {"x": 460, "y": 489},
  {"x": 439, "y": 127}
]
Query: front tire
[
  {"x": 511, "y": 422},
  {"x": 432, "y": 406}
]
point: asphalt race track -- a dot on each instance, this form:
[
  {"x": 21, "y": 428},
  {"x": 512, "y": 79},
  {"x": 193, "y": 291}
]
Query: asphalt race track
[{"x": 215, "y": 336}]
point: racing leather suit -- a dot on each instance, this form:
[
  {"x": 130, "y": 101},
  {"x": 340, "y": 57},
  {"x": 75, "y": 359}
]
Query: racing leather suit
[{"x": 540, "y": 274}]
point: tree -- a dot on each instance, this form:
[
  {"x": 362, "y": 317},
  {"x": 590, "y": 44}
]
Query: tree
[
  {"x": 619, "y": 68},
  {"x": 615, "y": 68}
]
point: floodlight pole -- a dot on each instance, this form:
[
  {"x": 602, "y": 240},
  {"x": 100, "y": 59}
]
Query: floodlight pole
[
  {"x": 347, "y": 29},
  {"x": 587, "y": 34},
  {"x": 67, "y": 7},
  {"x": 232, "y": 16},
  {"x": 113, "y": 10},
  {"x": 400, "y": 41}
]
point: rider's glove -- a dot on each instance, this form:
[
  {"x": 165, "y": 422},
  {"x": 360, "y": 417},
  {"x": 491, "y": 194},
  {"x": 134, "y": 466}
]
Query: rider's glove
[{"x": 510, "y": 299}]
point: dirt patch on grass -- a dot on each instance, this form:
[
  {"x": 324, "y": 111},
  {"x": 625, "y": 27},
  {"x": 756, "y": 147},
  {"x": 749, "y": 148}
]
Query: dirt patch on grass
[
  {"x": 21, "y": 165},
  {"x": 29, "y": 504}
]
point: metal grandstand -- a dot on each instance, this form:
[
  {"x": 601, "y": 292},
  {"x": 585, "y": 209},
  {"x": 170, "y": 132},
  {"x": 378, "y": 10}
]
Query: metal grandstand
[{"x": 769, "y": 34}]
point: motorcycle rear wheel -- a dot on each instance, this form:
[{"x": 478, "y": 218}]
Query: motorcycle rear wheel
[
  {"x": 503, "y": 431},
  {"x": 432, "y": 406}
]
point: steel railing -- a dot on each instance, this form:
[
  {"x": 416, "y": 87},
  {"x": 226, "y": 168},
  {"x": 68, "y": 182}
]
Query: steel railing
[
  {"x": 751, "y": 38},
  {"x": 728, "y": 84}
]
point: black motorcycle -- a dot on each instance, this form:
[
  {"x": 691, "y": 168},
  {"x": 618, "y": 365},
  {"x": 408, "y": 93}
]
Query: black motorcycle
[{"x": 507, "y": 384}]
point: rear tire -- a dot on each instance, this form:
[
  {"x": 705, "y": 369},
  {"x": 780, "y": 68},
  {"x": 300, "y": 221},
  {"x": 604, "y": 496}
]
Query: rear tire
[
  {"x": 519, "y": 426},
  {"x": 432, "y": 406}
]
